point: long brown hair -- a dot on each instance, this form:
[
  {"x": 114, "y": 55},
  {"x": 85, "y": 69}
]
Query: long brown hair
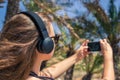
[{"x": 18, "y": 41}]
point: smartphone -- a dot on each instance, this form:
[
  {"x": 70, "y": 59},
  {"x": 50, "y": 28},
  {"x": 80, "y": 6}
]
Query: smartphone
[{"x": 94, "y": 46}]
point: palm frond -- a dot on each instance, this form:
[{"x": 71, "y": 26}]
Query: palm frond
[
  {"x": 58, "y": 19},
  {"x": 97, "y": 62},
  {"x": 119, "y": 14},
  {"x": 118, "y": 28},
  {"x": 100, "y": 15}
]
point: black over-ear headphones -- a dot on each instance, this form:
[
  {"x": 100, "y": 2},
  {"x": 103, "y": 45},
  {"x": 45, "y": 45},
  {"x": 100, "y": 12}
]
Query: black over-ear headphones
[{"x": 45, "y": 43}]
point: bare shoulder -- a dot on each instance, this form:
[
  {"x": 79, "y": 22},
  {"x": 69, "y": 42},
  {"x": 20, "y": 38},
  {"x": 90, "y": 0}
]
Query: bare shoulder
[{"x": 32, "y": 78}]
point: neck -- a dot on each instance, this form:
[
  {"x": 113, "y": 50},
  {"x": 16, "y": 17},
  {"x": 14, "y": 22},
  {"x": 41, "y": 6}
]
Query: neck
[{"x": 37, "y": 65}]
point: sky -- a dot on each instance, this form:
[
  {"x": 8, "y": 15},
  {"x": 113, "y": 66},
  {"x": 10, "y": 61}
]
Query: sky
[
  {"x": 76, "y": 9},
  {"x": 3, "y": 12}
]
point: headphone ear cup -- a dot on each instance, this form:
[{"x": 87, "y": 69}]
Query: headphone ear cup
[{"x": 46, "y": 45}]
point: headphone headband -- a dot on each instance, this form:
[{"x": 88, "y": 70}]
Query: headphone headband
[
  {"x": 38, "y": 23},
  {"x": 45, "y": 43}
]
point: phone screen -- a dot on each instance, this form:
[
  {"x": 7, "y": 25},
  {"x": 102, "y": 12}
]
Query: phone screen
[{"x": 94, "y": 46}]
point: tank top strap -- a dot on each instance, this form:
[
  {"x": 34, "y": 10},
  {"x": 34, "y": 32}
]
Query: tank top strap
[{"x": 40, "y": 77}]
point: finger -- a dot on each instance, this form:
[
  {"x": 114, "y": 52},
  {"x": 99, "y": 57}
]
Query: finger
[
  {"x": 101, "y": 41},
  {"x": 86, "y": 50},
  {"x": 81, "y": 54},
  {"x": 85, "y": 47},
  {"x": 85, "y": 42},
  {"x": 105, "y": 40},
  {"x": 85, "y": 54}
]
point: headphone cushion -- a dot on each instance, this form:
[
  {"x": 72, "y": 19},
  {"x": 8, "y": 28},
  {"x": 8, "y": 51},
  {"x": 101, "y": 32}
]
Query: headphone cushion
[{"x": 46, "y": 45}]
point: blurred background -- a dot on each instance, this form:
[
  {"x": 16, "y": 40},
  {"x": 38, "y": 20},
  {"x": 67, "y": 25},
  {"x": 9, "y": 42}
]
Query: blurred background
[{"x": 75, "y": 21}]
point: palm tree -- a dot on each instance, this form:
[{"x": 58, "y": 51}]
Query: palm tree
[
  {"x": 12, "y": 8},
  {"x": 110, "y": 24}
]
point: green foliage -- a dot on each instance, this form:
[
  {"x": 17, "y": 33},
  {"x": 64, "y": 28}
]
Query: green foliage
[
  {"x": 92, "y": 63},
  {"x": 108, "y": 22},
  {"x": 100, "y": 15},
  {"x": 118, "y": 28},
  {"x": 31, "y": 5},
  {"x": 83, "y": 27}
]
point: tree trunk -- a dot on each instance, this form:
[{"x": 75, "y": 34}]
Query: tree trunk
[
  {"x": 69, "y": 72},
  {"x": 1, "y": 1},
  {"x": 88, "y": 76},
  {"x": 12, "y": 9},
  {"x": 116, "y": 58},
  {"x": 43, "y": 65}
]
